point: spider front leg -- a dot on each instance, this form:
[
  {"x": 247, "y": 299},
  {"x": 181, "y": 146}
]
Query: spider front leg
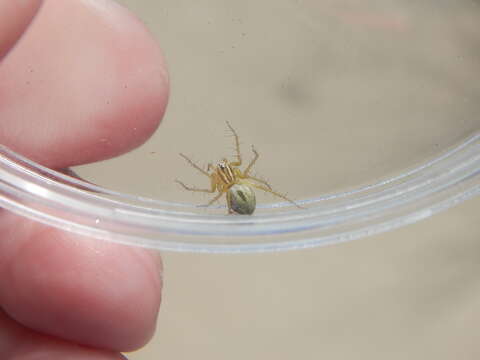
[
  {"x": 210, "y": 191},
  {"x": 213, "y": 186},
  {"x": 237, "y": 146},
  {"x": 195, "y": 166},
  {"x": 263, "y": 188},
  {"x": 249, "y": 167}
]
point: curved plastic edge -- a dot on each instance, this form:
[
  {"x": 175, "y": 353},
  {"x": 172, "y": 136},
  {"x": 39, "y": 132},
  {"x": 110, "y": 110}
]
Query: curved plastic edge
[{"x": 43, "y": 195}]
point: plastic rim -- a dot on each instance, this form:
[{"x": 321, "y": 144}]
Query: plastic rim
[{"x": 53, "y": 198}]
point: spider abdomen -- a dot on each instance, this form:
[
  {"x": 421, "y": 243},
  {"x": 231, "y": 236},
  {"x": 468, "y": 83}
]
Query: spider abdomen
[{"x": 241, "y": 199}]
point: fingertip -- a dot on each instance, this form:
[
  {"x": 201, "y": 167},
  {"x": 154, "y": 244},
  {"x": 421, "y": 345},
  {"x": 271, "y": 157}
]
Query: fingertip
[
  {"x": 18, "y": 342},
  {"x": 88, "y": 291},
  {"x": 93, "y": 90},
  {"x": 15, "y": 16}
]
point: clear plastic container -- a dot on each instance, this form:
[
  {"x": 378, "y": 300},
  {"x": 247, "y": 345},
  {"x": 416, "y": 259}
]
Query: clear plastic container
[
  {"x": 73, "y": 205},
  {"x": 367, "y": 116}
]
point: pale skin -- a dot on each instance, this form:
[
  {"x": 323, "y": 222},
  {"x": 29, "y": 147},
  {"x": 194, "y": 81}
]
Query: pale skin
[
  {"x": 227, "y": 173},
  {"x": 62, "y": 295}
]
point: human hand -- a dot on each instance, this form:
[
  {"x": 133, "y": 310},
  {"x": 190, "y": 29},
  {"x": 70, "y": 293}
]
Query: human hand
[{"x": 83, "y": 71}]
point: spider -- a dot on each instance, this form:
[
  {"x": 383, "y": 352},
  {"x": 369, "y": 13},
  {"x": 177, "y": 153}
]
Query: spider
[{"x": 227, "y": 178}]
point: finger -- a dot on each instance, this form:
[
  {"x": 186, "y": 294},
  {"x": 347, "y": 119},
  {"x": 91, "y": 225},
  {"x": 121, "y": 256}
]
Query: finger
[
  {"x": 87, "y": 82},
  {"x": 86, "y": 291},
  {"x": 61, "y": 118},
  {"x": 18, "y": 342},
  {"x": 15, "y": 16}
]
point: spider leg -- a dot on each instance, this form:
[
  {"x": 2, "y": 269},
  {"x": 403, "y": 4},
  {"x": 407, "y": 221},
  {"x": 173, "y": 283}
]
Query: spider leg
[
  {"x": 266, "y": 189},
  {"x": 237, "y": 146},
  {"x": 229, "y": 202},
  {"x": 215, "y": 199},
  {"x": 258, "y": 180},
  {"x": 195, "y": 165},
  {"x": 249, "y": 167},
  {"x": 210, "y": 191}
]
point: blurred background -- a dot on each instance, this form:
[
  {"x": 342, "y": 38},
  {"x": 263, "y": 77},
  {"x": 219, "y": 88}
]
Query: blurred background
[
  {"x": 334, "y": 95},
  {"x": 412, "y": 294}
]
